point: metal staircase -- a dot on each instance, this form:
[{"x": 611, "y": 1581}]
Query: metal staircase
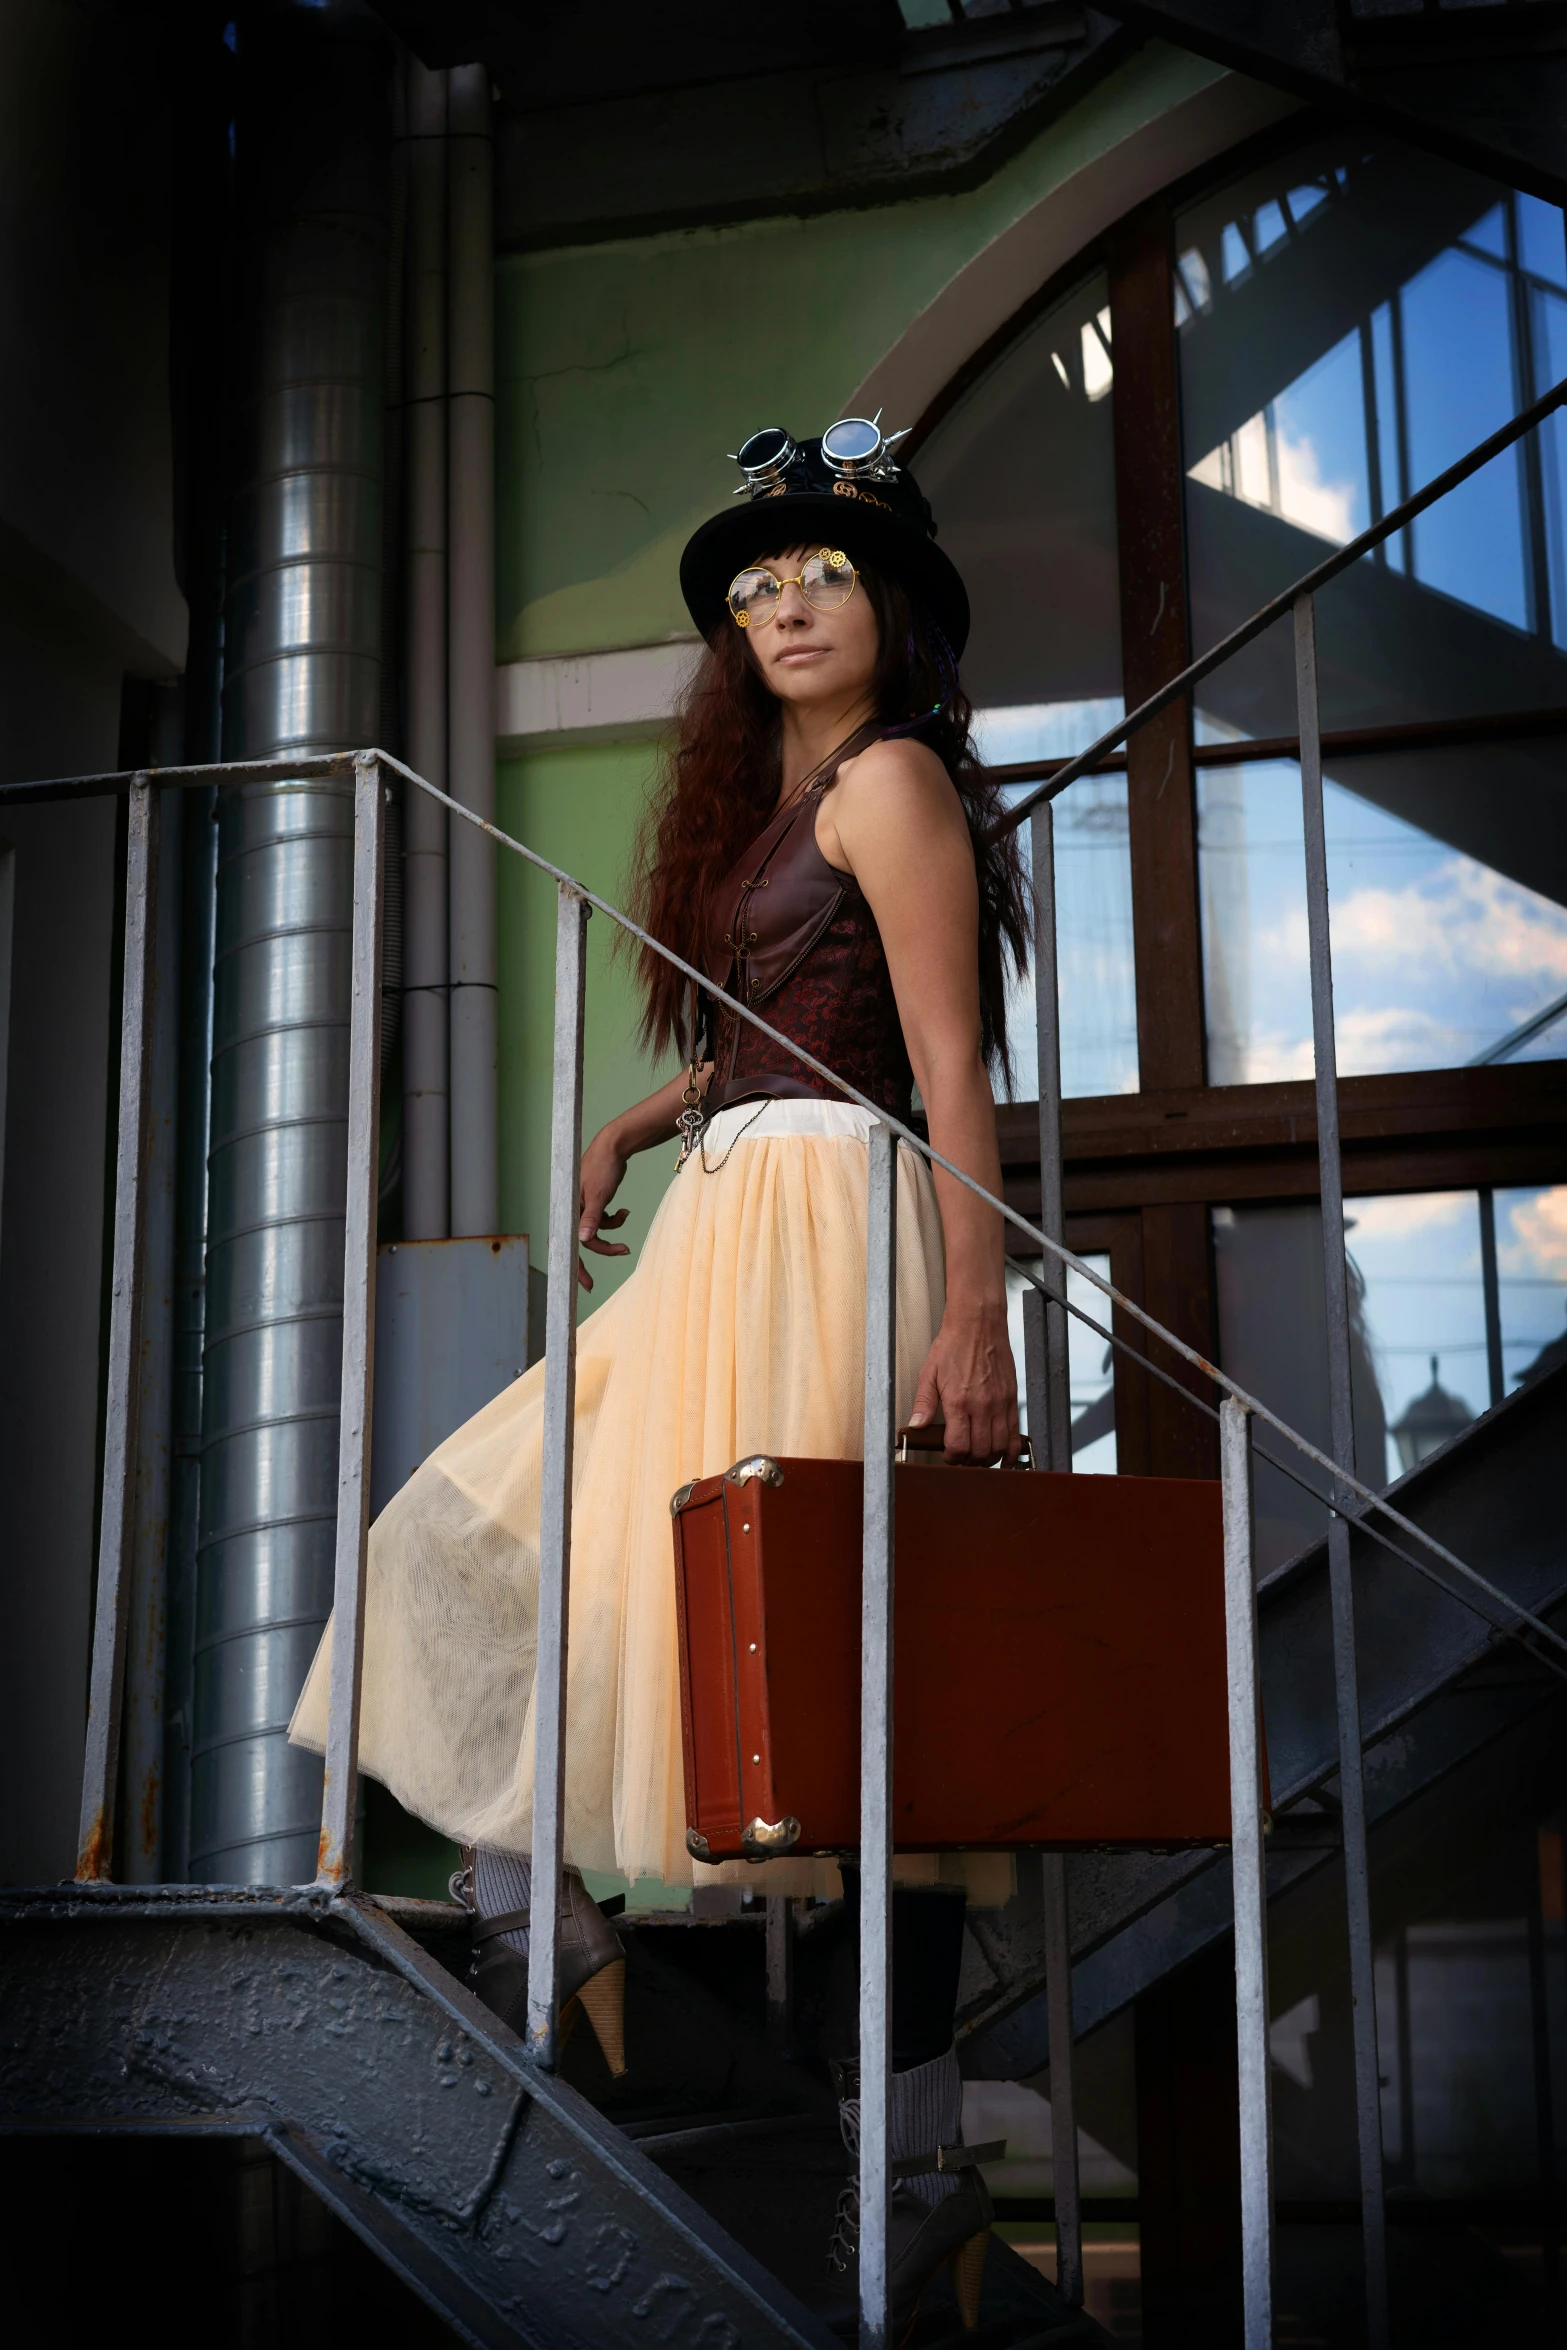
[
  {"x": 528, "y": 2200},
  {"x": 335, "y": 2029},
  {"x": 1435, "y": 1688}
]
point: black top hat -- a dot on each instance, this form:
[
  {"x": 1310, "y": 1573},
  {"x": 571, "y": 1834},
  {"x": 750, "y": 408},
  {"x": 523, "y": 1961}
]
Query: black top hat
[{"x": 843, "y": 491}]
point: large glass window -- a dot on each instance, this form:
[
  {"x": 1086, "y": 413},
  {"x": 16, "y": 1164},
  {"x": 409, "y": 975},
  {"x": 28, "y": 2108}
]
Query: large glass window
[
  {"x": 1090, "y": 1367},
  {"x": 1352, "y": 319},
  {"x": 1022, "y": 474},
  {"x": 1447, "y": 910},
  {"x": 1095, "y": 979},
  {"x": 1420, "y": 1345}
]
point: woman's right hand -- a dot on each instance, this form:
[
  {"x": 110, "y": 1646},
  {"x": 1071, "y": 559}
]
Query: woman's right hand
[{"x": 603, "y": 1169}]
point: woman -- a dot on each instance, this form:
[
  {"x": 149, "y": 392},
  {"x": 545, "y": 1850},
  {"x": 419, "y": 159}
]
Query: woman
[{"x": 821, "y": 850}]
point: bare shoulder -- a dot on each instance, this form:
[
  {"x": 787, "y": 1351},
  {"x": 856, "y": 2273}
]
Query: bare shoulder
[{"x": 889, "y": 782}]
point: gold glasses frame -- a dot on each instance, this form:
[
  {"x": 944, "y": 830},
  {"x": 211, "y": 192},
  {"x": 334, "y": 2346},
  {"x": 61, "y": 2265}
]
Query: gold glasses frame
[{"x": 832, "y": 555}]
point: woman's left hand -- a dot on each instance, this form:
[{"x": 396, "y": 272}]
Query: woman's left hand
[{"x": 969, "y": 1380}]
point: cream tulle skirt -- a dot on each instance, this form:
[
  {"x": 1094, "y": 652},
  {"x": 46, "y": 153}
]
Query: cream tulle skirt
[{"x": 741, "y": 1330}]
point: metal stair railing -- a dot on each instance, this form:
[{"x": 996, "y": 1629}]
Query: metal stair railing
[
  {"x": 1347, "y": 1496},
  {"x": 1045, "y": 1342}
]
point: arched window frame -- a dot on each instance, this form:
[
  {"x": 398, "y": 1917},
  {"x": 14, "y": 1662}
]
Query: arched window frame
[{"x": 1145, "y": 1171}]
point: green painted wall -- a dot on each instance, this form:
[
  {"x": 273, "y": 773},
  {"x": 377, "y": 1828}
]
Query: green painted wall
[
  {"x": 625, "y": 371},
  {"x": 623, "y": 374},
  {"x": 580, "y": 809}
]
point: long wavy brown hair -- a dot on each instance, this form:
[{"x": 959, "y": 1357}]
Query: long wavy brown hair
[{"x": 719, "y": 788}]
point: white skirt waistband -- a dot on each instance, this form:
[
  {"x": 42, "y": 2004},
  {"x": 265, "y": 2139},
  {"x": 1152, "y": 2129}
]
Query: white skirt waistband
[{"x": 771, "y": 1121}]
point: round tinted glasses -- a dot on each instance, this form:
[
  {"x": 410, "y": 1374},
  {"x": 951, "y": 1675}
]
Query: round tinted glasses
[{"x": 826, "y": 581}]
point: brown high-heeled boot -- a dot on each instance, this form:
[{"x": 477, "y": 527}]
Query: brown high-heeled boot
[{"x": 591, "y": 1962}]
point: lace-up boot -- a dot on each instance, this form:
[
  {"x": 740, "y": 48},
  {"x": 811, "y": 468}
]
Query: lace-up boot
[
  {"x": 939, "y": 2212},
  {"x": 497, "y": 1887}
]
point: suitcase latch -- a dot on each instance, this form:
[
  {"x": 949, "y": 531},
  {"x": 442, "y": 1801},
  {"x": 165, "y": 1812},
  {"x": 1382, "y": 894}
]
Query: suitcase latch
[{"x": 765, "y": 1839}]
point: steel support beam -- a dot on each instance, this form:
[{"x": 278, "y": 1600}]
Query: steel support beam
[{"x": 516, "y": 2210}]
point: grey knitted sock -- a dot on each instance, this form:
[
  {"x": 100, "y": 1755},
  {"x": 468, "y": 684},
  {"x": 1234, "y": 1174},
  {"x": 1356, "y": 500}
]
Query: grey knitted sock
[
  {"x": 925, "y": 2110},
  {"x": 502, "y": 1881}
]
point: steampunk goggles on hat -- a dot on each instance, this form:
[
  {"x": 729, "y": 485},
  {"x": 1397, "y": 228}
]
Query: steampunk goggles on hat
[
  {"x": 853, "y": 449},
  {"x": 847, "y": 503}
]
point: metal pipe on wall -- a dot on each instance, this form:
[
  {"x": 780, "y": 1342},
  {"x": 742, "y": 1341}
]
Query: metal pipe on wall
[
  {"x": 426, "y": 1199},
  {"x": 303, "y": 673},
  {"x": 475, "y": 1147}
]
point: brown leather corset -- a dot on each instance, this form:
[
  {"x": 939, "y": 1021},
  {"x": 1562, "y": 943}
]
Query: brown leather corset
[{"x": 794, "y": 937}]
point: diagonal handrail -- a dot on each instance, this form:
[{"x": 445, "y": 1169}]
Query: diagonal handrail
[
  {"x": 1065, "y": 1256},
  {"x": 328, "y": 764},
  {"x": 1275, "y": 609}
]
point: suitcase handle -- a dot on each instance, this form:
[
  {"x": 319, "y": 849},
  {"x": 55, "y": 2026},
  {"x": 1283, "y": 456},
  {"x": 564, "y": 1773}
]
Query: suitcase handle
[{"x": 933, "y": 1438}]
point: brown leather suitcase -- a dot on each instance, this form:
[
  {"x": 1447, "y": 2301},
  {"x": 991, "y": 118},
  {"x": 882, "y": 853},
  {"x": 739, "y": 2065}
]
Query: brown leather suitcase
[{"x": 1059, "y": 1660}]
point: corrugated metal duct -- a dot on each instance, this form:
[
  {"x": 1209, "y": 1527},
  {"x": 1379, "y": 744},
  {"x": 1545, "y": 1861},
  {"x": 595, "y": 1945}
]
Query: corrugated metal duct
[{"x": 302, "y": 672}]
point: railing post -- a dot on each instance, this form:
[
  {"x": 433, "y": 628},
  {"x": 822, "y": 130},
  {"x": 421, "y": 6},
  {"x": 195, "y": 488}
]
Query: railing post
[
  {"x": 101, "y": 1763},
  {"x": 876, "y": 1666},
  {"x": 780, "y": 1971},
  {"x": 1050, "y": 1427},
  {"x": 1491, "y": 1292},
  {"x": 1341, "y": 1415},
  {"x": 1053, "y": 1409},
  {"x": 560, "y": 1402},
  {"x": 1063, "y": 2085},
  {"x": 1251, "y": 1890},
  {"x": 340, "y": 1787}
]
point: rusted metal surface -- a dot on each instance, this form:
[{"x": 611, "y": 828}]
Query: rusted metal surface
[{"x": 500, "y": 2194}]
